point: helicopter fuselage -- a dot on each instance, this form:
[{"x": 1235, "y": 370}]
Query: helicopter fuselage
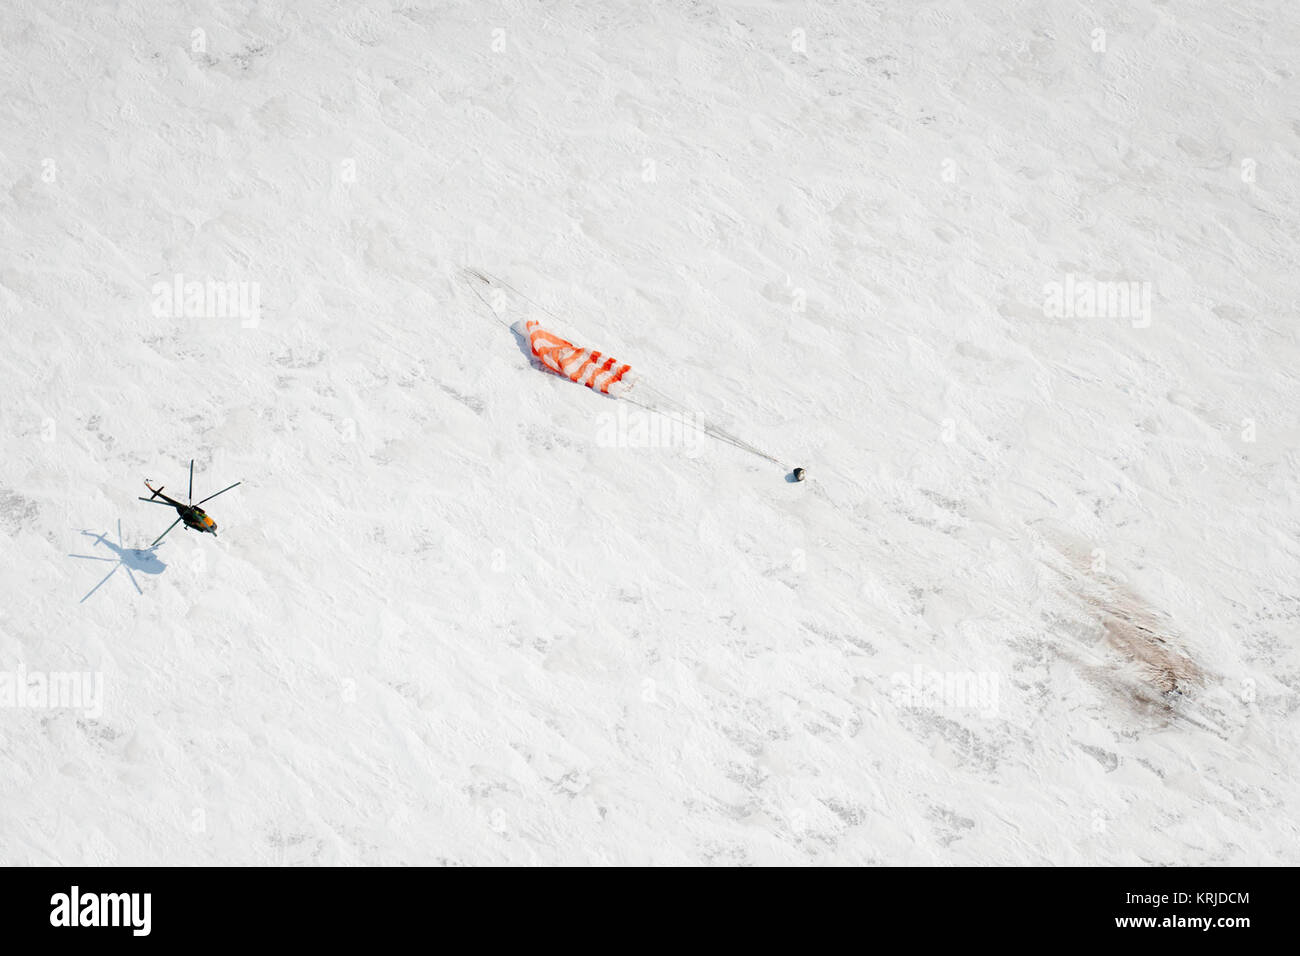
[{"x": 193, "y": 516}]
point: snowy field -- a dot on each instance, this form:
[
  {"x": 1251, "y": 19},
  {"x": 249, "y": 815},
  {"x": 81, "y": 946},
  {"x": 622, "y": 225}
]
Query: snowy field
[{"x": 1014, "y": 281}]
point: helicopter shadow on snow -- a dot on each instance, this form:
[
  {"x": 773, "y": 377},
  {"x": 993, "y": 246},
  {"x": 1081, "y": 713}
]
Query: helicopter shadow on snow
[{"x": 144, "y": 560}]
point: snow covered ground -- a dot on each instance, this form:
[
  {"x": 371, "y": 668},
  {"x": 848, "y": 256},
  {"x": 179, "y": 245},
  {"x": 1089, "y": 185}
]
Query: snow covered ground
[{"x": 1015, "y": 281}]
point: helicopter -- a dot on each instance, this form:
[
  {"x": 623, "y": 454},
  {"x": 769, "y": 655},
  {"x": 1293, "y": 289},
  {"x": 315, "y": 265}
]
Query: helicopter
[{"x": 193, "y": 516}]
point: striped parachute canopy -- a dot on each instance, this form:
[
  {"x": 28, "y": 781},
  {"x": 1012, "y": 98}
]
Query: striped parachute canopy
[{"x": 579, "y": 365}]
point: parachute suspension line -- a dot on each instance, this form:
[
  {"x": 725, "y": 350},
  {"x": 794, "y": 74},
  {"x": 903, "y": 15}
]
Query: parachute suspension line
[
  {"x": 489, "y": 277},
  {"x": 691, "y": 420},
  {"x": 469, "y": 276},
  {"x": 709, "y": 428}
]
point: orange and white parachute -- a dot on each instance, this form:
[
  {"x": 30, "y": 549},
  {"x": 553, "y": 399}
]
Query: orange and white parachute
[
  {"x": 604, "y": 374},
  {"x": 584, "y": 366}
]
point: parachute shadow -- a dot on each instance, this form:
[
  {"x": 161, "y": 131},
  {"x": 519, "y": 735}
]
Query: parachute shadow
[
  {"x": 143, "y": 560},
  {"x": 521, "y": 339}
]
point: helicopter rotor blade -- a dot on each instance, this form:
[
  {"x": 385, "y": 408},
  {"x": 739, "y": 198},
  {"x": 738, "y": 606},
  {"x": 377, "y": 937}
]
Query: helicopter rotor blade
[
  {"x": 164, "y": 534},
  {"x": 190, "y": 497},
  {"x": 221, "y": 492},
  {"x": 155, "y": 501}
]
